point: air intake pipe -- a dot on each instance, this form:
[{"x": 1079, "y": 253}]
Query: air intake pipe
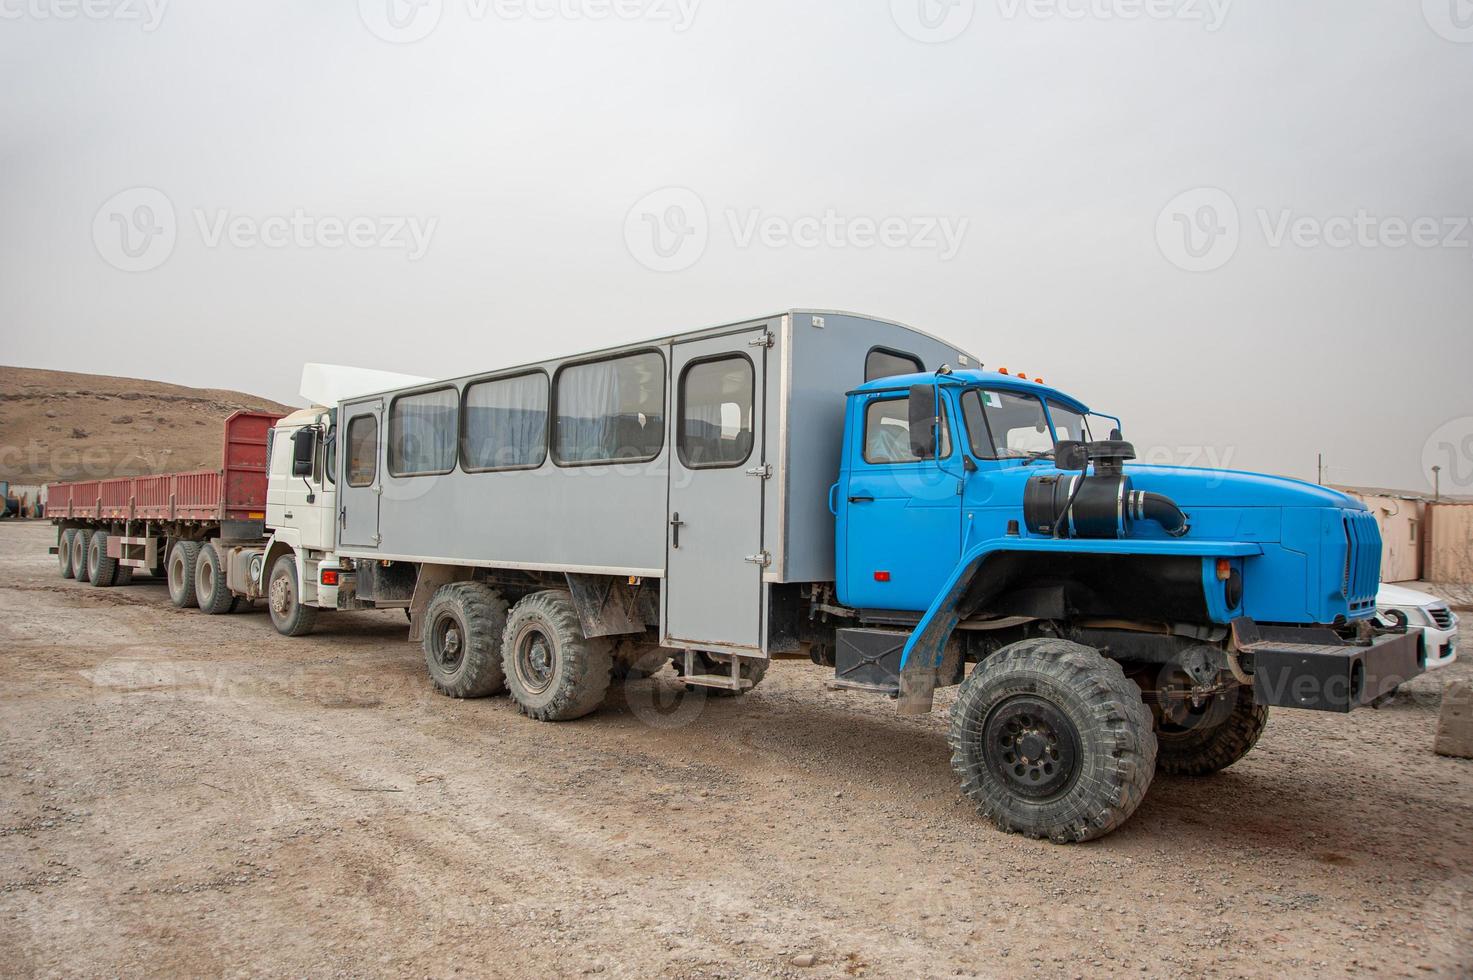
[
  {"x": 1147, "y": 506},
  {"x": 1098, "y": 505}
]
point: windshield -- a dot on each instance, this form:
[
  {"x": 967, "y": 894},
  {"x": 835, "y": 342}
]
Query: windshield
[{"x": 1002, "y": 425}]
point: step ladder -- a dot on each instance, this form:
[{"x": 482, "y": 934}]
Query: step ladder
[{"x": 733, "y": 681}]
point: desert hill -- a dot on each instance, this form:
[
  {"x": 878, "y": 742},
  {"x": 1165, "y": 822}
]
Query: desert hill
[{"x": 56, "y": 425}]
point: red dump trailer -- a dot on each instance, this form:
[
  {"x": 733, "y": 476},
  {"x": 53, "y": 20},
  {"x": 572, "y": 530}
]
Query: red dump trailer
[{"x": 107, "y": 529}]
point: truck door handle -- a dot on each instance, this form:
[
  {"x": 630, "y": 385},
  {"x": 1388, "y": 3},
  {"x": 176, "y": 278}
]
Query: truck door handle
[
  {"x": 675, "y": 524},
  {"x": 862, "y": 499}
]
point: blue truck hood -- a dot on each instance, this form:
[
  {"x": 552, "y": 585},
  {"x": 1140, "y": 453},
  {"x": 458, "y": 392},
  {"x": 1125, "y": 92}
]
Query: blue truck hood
[{"x": 1198, "y": 487}]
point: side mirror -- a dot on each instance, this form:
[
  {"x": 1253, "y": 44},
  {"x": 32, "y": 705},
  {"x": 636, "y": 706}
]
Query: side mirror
[
  {"x": 1071, "y": 455},
  {"x": 923, "y": 421},
  {"x": 304, "y": 447}
]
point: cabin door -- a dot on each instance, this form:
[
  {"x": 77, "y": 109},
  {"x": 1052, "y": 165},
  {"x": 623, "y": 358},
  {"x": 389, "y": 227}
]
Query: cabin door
[
  {"x": 360, "y": 476},
  {"x": 714, "y": 548}
]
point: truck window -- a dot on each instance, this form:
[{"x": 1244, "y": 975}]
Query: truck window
[
  {"x": 504, "y": 423},
  {"x": 362, "y": 450},
  {"x": 1003, "y": 425},
  {"x": 422, "y": 432},
  {"x": 882, "y": 363},
  {"x": 716, "y": 412},
  {"x": 1068, "y": 424},
  {"x": 610, "y": 411},
  {"x": 887, "y": 432}
]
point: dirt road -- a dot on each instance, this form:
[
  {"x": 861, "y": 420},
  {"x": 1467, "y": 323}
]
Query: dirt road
[{"x": 189, "y": 794}]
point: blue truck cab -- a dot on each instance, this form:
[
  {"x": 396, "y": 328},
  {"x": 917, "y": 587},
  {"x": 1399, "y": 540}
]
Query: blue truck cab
[{"x": 1123, "y": 617}]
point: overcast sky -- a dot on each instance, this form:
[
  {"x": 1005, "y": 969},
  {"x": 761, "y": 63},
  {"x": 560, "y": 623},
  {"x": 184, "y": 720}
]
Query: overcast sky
[{"x": 1240, "y": 224}]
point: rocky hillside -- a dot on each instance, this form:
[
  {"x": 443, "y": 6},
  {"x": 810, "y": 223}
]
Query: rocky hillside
[{"x": 55, "y": 425}]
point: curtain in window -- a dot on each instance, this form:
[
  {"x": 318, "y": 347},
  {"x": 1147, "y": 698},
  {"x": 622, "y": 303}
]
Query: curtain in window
[
  {"x": 611, "y": 410},
  {"x": 506, "y": 422},
  {"x": 422, "y": 433}
]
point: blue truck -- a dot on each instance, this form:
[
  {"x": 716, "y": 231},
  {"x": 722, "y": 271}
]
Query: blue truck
[
  {"x": 824, "y": 484},
  {"x": 1125, "y": 619}
]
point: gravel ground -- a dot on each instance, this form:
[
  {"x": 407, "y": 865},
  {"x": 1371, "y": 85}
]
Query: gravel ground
[{"x": 187, "y": 794}]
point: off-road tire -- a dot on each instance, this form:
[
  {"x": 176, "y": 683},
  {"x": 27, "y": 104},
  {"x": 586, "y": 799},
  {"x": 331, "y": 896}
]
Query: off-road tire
[
  {"x": 210, "y": 590},
  {"x": 64, "y": 552},
  {"x": 79, "y": 553},
  {"x": 179, "y": 573},
  {"x": 463, "y": 626},
  {"x": 1103, "y": 754},
  {"x": 751, "y": 670},
  {"x": 102, "y": 571},
  {"x": 284, "y": 601},
  {"x": 569, "y": 676},
  {"x": 1225, "y": 730}
]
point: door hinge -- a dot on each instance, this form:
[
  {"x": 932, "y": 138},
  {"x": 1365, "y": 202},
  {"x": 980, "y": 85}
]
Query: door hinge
[
  {"x": 760, "y": 558},
  {"x": 378, "y": 539},
  {"x": 764, "y": 471},
  {"x": 765, "y": 340}
]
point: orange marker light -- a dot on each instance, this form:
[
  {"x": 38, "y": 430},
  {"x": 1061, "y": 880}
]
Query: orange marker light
[
  {"x": 1224, "y": 569},
  {"x": 1022, "y": 376},
  {"x": 1002, "y": 370}
]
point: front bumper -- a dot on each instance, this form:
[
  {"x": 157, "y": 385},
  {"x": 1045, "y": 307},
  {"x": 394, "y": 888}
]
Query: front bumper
[
  {"x": 1440, "y": 647},
  {"x": 1312, "y": 667}
]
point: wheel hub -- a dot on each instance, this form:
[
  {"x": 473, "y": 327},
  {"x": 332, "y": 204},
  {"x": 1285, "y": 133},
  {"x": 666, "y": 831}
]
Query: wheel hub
[
  {"x": 450, "y": 645},
  {"x": 1031, "y": 747},
  {"x": 281, "y": 596},
  {"x": 535, "y": 661}
]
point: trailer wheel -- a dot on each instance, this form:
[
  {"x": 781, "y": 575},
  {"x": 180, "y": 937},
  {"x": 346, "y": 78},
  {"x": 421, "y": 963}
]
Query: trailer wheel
[
  {"x": 183, "y": 556},
  {"x": 1212, "y": 737},
  {"x": 101, "y": 570},
  {"x": 210, "y": 590},
  {"x": 284, "y": 599},
  {"x": 554, "y": 673},
  {"x": 64, "y": 552},
  {"x": 79, "y": 553},
  {"x": 463, "y": 627},
  {"x": 1050, "y": 739}
]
